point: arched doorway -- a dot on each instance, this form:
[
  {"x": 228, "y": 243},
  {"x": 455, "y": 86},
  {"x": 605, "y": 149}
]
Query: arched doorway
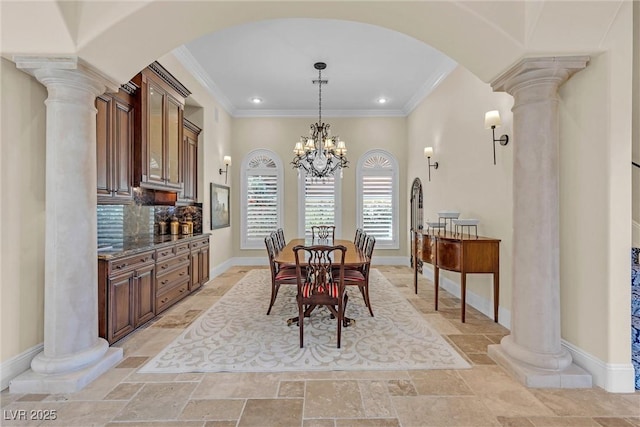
[{"x": 415, "y": 225}]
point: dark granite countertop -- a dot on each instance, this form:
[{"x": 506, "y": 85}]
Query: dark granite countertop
[{"x": 142, "y": 243}]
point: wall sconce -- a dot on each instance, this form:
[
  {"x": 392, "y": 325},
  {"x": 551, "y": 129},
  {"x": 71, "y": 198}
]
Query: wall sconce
[
  {"x": 428, "y": 152},
  {"x": 492, "y": 121},
  {"x": 227, "y": 162}
]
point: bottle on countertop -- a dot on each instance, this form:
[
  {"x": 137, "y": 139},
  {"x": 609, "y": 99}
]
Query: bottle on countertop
[
  {"x": 189, "y": 220},
  {"x": 175, "y": 225}
]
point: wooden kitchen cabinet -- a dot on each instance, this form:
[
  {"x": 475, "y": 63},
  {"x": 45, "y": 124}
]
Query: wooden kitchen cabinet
[
  {"x": 190, "y": 164},
  {"x": 173, "y": 275},
  {"x": 158, "y": 132},
  {"x": 126, "y": 294},
  {"x": 114, "y": 145},
  {"x": 199, "y": 263}
]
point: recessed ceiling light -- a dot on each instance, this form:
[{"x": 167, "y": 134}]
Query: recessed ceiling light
[
  {"x": 382, "y": 100},
  {"x": 256, "y": 100}
]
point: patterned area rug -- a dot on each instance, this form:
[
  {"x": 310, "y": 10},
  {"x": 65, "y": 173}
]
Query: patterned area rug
[{"x": 235, "y": 335}]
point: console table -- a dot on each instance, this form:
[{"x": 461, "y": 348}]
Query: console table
[{"x": 463, "y": 254}]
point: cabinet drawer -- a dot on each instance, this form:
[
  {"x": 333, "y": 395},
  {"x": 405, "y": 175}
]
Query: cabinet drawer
[
  {"x": 165, "y": 281},
  {"x": 197, "y": 244},
  {"x": 129, "y": 263},
  {"x": 170, "y": 264},
  {"x": 182, "y": 248},
  {"x": 164, "y": 253},
  {"x": 175, "y": 294}
]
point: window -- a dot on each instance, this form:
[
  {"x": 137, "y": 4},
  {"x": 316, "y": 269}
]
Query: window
[
  {"x": 262, "y": 197},
  {"x": 377, "y": 207},
  {"x": 319, "y": 203}
]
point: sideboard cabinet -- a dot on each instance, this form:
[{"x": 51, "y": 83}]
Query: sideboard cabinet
[
  {"x": 158, "y": 136},
  {"x": 463, "y": 254}
]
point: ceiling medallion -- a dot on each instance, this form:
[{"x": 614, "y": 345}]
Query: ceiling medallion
[{"x": 320, "y": 155}]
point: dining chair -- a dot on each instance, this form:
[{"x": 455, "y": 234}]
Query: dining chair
[
  {"x": 323, "y": 232},
  {"x": 360, "y": 276},
  {"x": 281, "y": 240},
  {"x": 320, "y": 279},
  {"x": 359, "y": 239},
  {"x": 279, "y": 275}
]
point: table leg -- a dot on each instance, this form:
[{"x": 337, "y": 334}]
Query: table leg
[
  {"x": 307, "y": 313},
  {"x": 436, "y": 281},
  {"x": 496, "y": 295},
  {"x": 463, "y": 295}
]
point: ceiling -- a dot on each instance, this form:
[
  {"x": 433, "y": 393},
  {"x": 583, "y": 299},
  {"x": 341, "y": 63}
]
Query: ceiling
[{"x": 274, "y": 61}]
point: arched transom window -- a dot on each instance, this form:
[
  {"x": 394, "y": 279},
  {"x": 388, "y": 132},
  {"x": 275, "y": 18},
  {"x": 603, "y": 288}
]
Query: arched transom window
[
  {"x": 262, "y": 197},
  {"x": 377, "y": 207}
]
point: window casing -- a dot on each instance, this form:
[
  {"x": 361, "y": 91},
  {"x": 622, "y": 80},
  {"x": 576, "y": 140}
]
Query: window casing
[
  {"x": 377, "y": 197},
  {"x": 262, "y": 197}
]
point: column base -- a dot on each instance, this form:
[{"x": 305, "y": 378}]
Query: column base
[
  {"x": 572, "y": 376},
  {"x": 32, "y": 382}
]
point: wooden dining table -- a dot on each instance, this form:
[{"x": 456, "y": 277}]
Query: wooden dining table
[{"x": 353, "y": 257}]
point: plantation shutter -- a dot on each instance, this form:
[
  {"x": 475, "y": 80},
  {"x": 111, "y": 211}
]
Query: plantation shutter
[
  {"x": 377, "y": 206},
  {"x": 320, "y": 203},
  {"x": 262, "y": 206},
  {"x": 377, "y": 186},
  {"x": 261, "y": 198}
]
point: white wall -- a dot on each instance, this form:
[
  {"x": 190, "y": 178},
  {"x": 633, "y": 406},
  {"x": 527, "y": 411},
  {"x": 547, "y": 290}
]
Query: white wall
[
  {"x": 451, "y": 120},
  {"x": 595, "y": 192},
  {"x": 22, "y": 216}
]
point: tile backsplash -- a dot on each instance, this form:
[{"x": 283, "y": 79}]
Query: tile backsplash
[{"x": 119, "y": 222}]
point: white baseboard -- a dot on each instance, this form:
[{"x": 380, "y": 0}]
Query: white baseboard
[
  {"x": 613, "y": 377},
  {"x": 13, "y": 367},
  {"x": 481, "y": 304},
  {"x": 635, "y": 234}
]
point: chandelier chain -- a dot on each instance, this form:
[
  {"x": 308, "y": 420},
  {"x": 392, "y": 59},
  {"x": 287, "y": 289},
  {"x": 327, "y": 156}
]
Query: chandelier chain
[{"x": 320, "y": 97}]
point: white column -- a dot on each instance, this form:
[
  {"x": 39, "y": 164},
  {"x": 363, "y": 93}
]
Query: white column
[
  {"x": 533, "y": 352},
  {"x": 73, "y": 353}
]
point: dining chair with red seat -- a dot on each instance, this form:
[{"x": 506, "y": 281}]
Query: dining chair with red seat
[
  {"x": 279, "y": 275},
  {"x": 320, "y": 279},
  {"x": 360, "y": 276}
]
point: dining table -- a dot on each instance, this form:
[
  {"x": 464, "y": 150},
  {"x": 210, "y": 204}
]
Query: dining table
[{"x": 353, "y": 257}]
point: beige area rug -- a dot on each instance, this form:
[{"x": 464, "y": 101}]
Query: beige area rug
[{"x": 235, "y": 335}]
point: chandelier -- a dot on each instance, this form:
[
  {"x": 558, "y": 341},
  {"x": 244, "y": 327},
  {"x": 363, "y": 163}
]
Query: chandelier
[{"x": 320, "y": 155}]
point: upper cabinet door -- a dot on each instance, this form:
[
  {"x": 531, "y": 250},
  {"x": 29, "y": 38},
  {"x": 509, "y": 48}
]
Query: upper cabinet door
[
  {"x": 174, "y": 137},
  {"x": 158, "y": 129},
  {"x": 155, "y": 141},
  {"x": 103, "y": 145},
  {"x": 114, "y": 147}
]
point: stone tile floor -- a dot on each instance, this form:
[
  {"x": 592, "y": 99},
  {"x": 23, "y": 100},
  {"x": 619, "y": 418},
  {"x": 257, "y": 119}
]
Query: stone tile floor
[{"x": 481, "y": 396}]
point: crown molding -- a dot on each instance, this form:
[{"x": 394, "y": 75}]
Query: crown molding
[
  {"x": 314, "y": 113},
  {"x": 445, "y": 67},
  {"x": 192, "y": 65}
]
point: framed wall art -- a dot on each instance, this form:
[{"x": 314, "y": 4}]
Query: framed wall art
[{"x": 220, "y": 207}]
